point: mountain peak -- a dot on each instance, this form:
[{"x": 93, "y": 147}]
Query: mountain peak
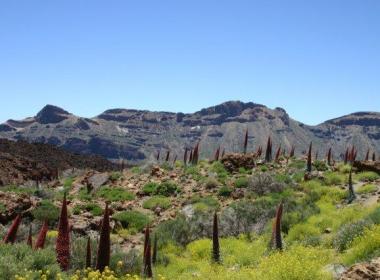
[
  {"x": 229, "y": 108},
  {"x": 51, "y": 114}
]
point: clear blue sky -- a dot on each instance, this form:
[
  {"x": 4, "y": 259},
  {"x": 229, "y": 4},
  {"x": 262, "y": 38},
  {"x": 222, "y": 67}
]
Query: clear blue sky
[{"x": 317, "y": 59}]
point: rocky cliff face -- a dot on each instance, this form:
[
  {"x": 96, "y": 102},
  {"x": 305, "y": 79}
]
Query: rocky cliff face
[{"x": 137, "y": 135}]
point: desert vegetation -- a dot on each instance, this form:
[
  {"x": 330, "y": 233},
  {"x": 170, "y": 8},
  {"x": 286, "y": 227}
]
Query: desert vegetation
[{"x": 233, "y": 216}]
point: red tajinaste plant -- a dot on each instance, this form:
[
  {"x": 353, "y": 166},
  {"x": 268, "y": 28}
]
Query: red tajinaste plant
[
  {"x": 158, "y": 156},
  {"x": 88, "y": 253},
  {"x": 147, "y": 258},
  {"x": 104, "y": 248},
  {"x": 346, "y": 156},
  {"x": 185, "y": 156},
  {"x": 329, "y": 157},
  {"x": 191, "y": 156},
  {"x": 62, "y": 246},
  {"x": 259, "y": 151},
  {"x": 268, "y": 152},
  {"x": 367, "y": 155},
  {"x": 351, "y": 193},
  {"x": 292, "y": 150},
  {"x": 278, "y": 153},
  {"x": 29, "y": 241},
  {"x": 373, "y": 156},
  {"x": 276, "y": 232},
  {"x": 167, "y": 156},
  {"x": 308, "y": 167},
  {"x": 223, "y": 153},
  {"x": 40, "y": 242},
  {"x": 215, "y": 241},
  {"x": 217, "y": 153},
  {"x": 246, "y": 141},
  {"x": 11, "y": 235},
  {"x": 196, "y": 154}
]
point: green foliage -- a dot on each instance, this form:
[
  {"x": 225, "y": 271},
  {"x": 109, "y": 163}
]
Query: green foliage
[
  {"x": 219, "y": 169},
  {"x": 136, "y": 170},
  {"x": 320, "y": 165},
  {"x": 46, "y": 211},
  {"x": 2, "y": 208},
  {"x": 283, "y": 178},
  {"x": 94, "y": 209},
  {"x": 19, "y": 189},
  {"x": 194, "y": 171},
  {"x": 132, "y": 219},
  {"x": 150, "y": 188},
  {"x": 68, "y": 183},
  {"x": 333, "y": 178},
  {"x": 264, "y": 168},
  {"x": 116, "y": 175},
  {"x": 297, "y": 164},
  {"x": 242, "y": 170},
  {"x": 167, "y": 188},
  {"x": 225, "y": 191},
  {"x": 374, "y": 216},
  {"x": 176, "y": 231},
  {"x": 83, "y": 195},
  {"x": 19, "y": 258},
  {"x": 205, "y": 203},
  {"x": 211, "y": 183},
  {"x": 364, "y": 247},
  {"x": 115, "y": 194},
  {"x": 344, "y": 168},
  {"x": 157, "y": 201},
  {"x": 368, "y": 188},
  {"x": 367, "y": 176},
  {"x": 348, "y": 232},
  {"x": 241, "y": 182}
]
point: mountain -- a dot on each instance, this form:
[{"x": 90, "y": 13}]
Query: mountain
[{"x": 137, "y": 135}]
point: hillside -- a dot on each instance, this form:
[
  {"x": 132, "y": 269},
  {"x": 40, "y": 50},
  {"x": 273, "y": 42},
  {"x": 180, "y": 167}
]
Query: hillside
[
  {"x": 324, "y": 230},
  {"x": 138, "y": 135}
]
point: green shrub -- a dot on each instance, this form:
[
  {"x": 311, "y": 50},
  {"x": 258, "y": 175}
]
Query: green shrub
[
  {"x": 194, "y": 171},
  {"x": 116, "y": 175},
  {"x": 150, "y": 188},
  {"x": 364, "y": 247},
  {"x": 115, "y": 194},
  {"x": 208, "y": 201},
  {"x": 264, "y": 168},
  {"x": 2, "y": 208},
  {"x": 132, "y": 219},
  {"x": 332, "y": 178},
  {"x": 242, "y": 170},
  {"x": 19, "y": 189},
  {"x": 367, "y": 176},
  {"x": 348, "y": 232},
  {"x": 219, "y": 169},
  {"x": 241, "y": 182},
  {"x": 297, "y": 164},
  {"x": 368, "y": 188},
  {"x": 167, "y": 188},
  {"x": 17, "y": 259},
  {"x": 344, "y": 168},
  {"x": 136, "y": 170},
  {"x": 320, "y": 165},
  {"x": 157, "y": 201},
  {"x": 46, "y": 211},
  {"x": 94, "y": 209},
  {"x": 225, "y": 191},
  {"x": 374, "y": 216},
  {"x": 283, "y": 178},
  {"x": 211, "y": 183}
]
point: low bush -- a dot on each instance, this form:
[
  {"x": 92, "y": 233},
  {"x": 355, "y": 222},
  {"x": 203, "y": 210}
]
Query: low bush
[
  {"x": 20, "y": 258},
  {"x": 211, "y": 183},
  {"x": 157, "y": 201},
  {"x": 241, "y": 182},
  {"x": 333, "y": 178},
  {"x": 167, "y": 188},
  {"x": 264, "y": 183},
  {"x": 368, "y": 188},
  {"x": 320, "y": 165},
  {"x": 116, "y": 175},
  {"x": 348, "y": 232},
  {"x": 367, "y": 176},
  {"x": 46, "y": 210},
  {"x": 115, "y": 194},
  {"x": 225, "y": 191},
  {"x": 132, "y": 219},
  {"x": 364, "y": 247},
  {"x": 150, "y": 188}
]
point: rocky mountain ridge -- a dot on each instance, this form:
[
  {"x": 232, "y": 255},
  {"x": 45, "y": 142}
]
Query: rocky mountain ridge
[{"x": 137, "y": 135}]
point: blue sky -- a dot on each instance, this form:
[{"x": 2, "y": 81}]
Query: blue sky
[{"x": 317, "y": 59}]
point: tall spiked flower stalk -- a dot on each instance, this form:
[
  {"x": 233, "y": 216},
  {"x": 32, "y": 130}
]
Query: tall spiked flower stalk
[
  {"x": 373, "y": 156},
  {"x": 367, "y": 155},
  {"x": 292, "y": 150},
  {"x": 346, "y": 155},
  {"x": 88, "y": 253},
  {"x": 62, "y": 246},
  {"x": 191, "y": 156},
  {"x": 29, "y": 241},
  {"x": 185, "y": 156},
  {"x": 308, "y": 167},
  {"x": 278, "y": 153},
  {"x": 223, "y": 153},
  {"x": 147, "y": 258},
  {"x": 316, "y": 155},
  {"x": 196, "y": 154},
  {"x": 155, "y": 248},
  {"x": 217, "y": 153},
  {"x": 276, "y": 232},
  {"x": 104, "y": 248},
  {"x": 329, "y": 157},
  {"x": 158, "y": 156},
  {"x": 246, "y": 141},
  {"x": 259, "y": 151},
  {"x": 40, "y": 242},
  {"x": 351, "y": 193},
  {"x": 215, "y": 241},
  {"x": 268, "y": 152},
  {"x": 167, "y": 156},
  {"x": 11, "y": 235}
]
